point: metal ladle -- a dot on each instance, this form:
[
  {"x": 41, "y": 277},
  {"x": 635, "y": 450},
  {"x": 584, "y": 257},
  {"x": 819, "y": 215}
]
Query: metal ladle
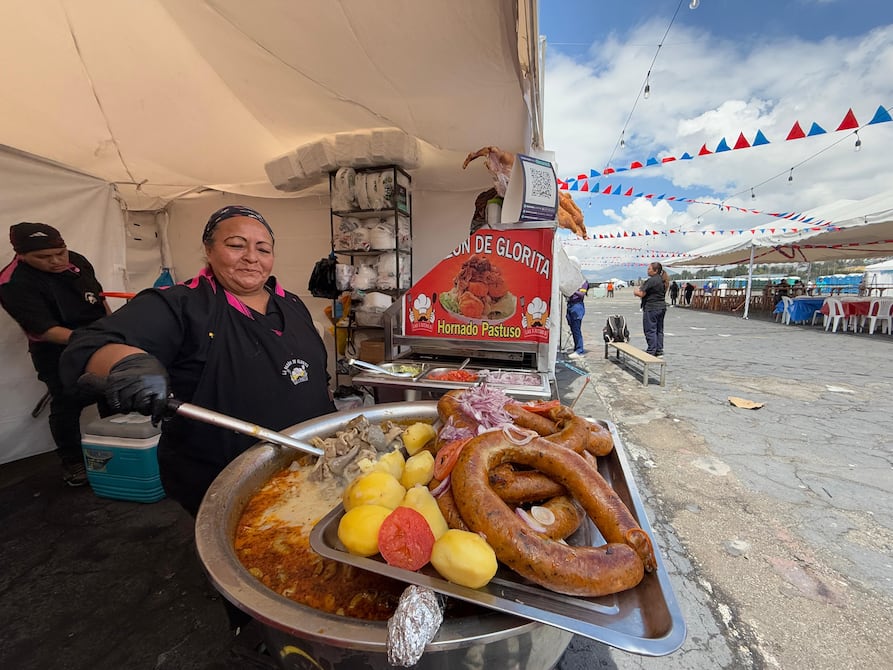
[{"x": 378, "y": 369}]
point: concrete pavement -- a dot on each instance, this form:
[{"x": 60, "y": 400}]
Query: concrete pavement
[{"x": 776, "y": 523}]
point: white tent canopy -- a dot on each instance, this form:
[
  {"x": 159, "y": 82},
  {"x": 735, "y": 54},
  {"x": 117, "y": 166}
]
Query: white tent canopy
[
  {"x": 859, "y": 229},
  {"x": 174, "y": 95}
]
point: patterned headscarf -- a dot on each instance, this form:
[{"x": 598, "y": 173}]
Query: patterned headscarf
[{"x": 230, "y": 212}]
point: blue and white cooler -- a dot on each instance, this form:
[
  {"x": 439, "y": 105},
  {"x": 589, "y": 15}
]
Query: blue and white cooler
[{"x": 121, "y": 455}]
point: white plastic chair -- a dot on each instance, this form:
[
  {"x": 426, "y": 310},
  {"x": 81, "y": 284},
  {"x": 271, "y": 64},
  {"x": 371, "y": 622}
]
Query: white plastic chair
[
  {"x": 818, "y": 313},
  {"x": 881, "y": 309},
  {"x": 835, "y": 314}
]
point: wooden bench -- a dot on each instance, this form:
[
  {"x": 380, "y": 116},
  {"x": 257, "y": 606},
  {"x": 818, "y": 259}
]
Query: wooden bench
[{"x": 643, "y": 357}]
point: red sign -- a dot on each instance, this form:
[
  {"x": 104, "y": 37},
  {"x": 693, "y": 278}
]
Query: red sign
[{"x": 497, "y": 285}]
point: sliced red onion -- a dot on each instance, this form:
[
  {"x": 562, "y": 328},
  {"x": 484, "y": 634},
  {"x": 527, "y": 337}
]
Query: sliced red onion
[
  {"x": 543, "y": 514},
  {"x": 529, "y": 520},
  {"x": 485, "y": 405},
  {"x": 441, "y": 488},
  {"x": 519, "y": 436}
]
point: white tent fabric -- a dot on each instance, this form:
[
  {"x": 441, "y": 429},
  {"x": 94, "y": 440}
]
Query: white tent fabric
[
  {"x": 174, "y": 95},
  {"x": 87, "y": 211},
  {"x": 860, "y": 229}
]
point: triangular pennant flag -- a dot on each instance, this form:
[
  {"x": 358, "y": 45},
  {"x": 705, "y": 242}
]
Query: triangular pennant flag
[
  {"x": 607, "y": 190},
  {"x": 649, "y": 196},
  {"x": 796, "y": 132},
  {"x": 632, "y": 234},
  {"x": 722, "y": 146},
  {"x": 585, "y": 186},
  {"x": 703, "y": 151},
  {"x": 742, "y": 142},
  {"x": 629, "y": 192},
  {"x": 849, "y": 121},
  {"x": 638, "y": 195},
  {"x": 581, "y": 177},
  {"x": 652, "y": 161},
  {"x": 635, "y": 165},
  {"x": 668, "y": 159},
  {"x": 816, "y": 129},
  {"x": 685, "y": 157},
  {"x": 647, "y": 233},
  {"x": 880, "y": 116},
  {"x": 759, "y": 139},
  {"x": 594, "y": 173},
  {"x": 625, "y": 234},
  {"x": 616, "y": 191},
  {"x": 608, "y": 171},
  {"x": 654, "y": 232},
  {"x": 595, "y": 190},
  {"x": 575, "y": 186},
  {"x": 662, "y": 196}
]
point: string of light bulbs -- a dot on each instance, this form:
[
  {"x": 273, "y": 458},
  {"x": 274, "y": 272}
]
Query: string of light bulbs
[{"x": 645, "y": 90}]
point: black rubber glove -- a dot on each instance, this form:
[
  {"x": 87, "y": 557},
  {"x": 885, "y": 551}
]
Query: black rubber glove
[{"x": 138, "y": 383}]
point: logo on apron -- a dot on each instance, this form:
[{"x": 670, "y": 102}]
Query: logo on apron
[{"x": 296, "y": 371}]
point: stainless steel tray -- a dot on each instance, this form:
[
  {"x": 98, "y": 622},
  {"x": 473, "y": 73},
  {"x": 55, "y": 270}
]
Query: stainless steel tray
[{"x": 644, "y": 620}]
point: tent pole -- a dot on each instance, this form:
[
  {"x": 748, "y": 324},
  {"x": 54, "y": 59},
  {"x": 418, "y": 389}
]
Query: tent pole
[{"x": 749, "y": 282}]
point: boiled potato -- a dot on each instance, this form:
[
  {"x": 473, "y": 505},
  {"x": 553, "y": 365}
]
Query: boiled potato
[
  {"x": 358, "y": 529},
  {"x": 420, "y": 499},
  {"x": 374, "y": 488},
  {"x": 419, "y": 469},
  {"x": 464, "y": 558},
  {"x": 392, "y": 462},
  {"x": 417, "y": 436}
]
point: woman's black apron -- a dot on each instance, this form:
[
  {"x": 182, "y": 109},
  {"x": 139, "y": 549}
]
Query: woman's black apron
[{"x": 272, "y": 378}]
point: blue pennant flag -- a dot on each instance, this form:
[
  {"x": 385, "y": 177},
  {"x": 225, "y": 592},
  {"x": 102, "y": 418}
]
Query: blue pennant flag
[
  {"x": 722, "y": 146},
  {"x": 815, "y": 129},
  {"x": 880, "y": 116},
  {"x": 759, "y": 139}
]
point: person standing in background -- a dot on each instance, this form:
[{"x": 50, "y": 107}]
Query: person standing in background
[
  {"x": 654, "y": 307},
  {"x": 674, "y": 293},
  {"x": 689, "y": 292},
  {"x": 50, "y": 291},
  {"x": 575, "y": 312},
  {"x": 610, "y": 289}
]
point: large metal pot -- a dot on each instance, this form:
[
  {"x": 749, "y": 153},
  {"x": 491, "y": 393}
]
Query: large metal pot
[{"x": 302, "y": 637}]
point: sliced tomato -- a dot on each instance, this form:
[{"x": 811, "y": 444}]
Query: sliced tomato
[
  {"x": 541, "y": 406},
  {"x": 447, "y": 456},
  {"x": 405, "y": 539}
]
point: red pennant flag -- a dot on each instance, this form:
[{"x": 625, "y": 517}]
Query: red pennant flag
[
  {"x": 581, "y": 177},
  {"x": 607, "y": 191},
  {"x": 742, "y": 142},
  {"x": 585, "y": 186},
  {"x": 704, "y": 151},
  {"x": 772, "y": 230},
  {"x": 625, "y": 234},
  {"x": 668, "y": 159},
  {"x": 849, "y": 121},
  {"x": 634, "y": 165},
  {"x": 654, "y": 232},
  {"x": 608, "y": 171},
  {"x": 796, "y": 132},
  {"x": 629, "y": 192}
]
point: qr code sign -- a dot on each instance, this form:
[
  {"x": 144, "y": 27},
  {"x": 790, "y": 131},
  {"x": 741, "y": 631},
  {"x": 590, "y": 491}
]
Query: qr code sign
[{"x": 542, "y": 184}]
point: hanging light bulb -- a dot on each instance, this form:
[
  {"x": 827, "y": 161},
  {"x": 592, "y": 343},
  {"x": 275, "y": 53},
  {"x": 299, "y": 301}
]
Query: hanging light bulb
[
  {"x": 694, "y": 4},
  {"x": 752, "y": 194},
  {"x": 791, "y": 175},
  {"x": 647, "y": 90},
  {"x": 858, "y": 142}
]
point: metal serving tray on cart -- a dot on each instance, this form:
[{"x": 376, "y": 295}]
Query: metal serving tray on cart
[{"x": 644, "y": 620}]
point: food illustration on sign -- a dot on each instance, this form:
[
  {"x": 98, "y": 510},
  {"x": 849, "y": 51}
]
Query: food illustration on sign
[
  {"x": 479, "y": 292},
  {"x": 536, "y": 315}
]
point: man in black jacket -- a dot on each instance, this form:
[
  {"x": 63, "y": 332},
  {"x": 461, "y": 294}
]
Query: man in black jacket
[{"x": 50, "y": 291}]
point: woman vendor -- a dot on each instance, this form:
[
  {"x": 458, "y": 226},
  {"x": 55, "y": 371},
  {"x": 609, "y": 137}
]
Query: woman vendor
[{"x": 230, "y": 339}]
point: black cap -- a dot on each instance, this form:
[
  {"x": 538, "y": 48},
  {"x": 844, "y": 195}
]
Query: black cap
[{"x": 27, "y": 236}]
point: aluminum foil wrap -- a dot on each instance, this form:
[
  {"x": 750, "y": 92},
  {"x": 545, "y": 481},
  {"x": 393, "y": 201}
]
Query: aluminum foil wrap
[{"x": 415, "y": 623}]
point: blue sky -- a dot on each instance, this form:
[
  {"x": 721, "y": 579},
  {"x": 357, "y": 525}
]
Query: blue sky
[{"x": 727, "y": 67}]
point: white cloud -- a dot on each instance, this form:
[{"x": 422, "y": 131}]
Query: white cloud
[{"x": 703, "y": 89}]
